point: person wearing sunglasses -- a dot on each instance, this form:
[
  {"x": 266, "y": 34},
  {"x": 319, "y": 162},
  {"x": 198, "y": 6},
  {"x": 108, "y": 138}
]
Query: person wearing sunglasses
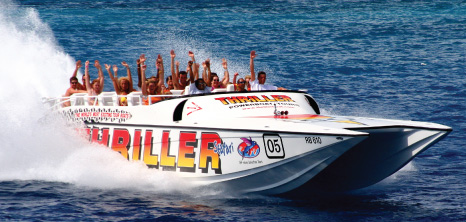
[
  {"x": 240, "y": 85},
  {"x": 259, "y": 83}
]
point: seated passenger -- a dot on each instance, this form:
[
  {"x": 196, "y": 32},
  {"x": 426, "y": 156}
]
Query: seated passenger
[
  {"x": 214, "y": 80},
  {"x": 73, "y": 89},
  {"x": 240, "y": 85},
  {"x": 152, "y": 87},
  {"x": 94, "y": 89},
  {"x": 199, "y": 87},
  {"x": 180, "y": 78},
  {"x": 247, "y": 79},
  {"x": 122, "y": 85},
  {"x": 259, "y": 84}
]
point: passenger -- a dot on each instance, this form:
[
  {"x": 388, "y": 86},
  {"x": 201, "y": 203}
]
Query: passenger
[
  {"x": 94, "y": 89},
  {"x": 72, "y": 90},
  {"x": 199, "y": 87},
  {"x": 259, "y": 84},
  {"x": 138, "y": 64},
  {"x": 180, "y": 78},
  {"x": 75, "y": 73},
  {"x": 240, "y": 85},
  {"x": 122, "y": 85},
  {"x": 169, "y": 81},
  {"x": 214, "y": 80},
  {"x": 152, "y": 87},
  {"x": 247, "y": 79}
]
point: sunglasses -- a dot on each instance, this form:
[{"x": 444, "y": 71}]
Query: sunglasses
[
  {"x": 74, "y": 83},
  {"x": 241, "y": 82}
]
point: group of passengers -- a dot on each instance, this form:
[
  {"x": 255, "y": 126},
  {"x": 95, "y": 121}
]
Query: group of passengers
[{"x": 154, "y": 87}]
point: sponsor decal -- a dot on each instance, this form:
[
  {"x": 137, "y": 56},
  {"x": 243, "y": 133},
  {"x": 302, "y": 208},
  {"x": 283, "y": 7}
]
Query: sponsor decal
[
  {"x": 194, "y": 108},
  {"x": 97, "y": 115},
  {"x": 248, "y": 148},
  {"x": 223, "y": 148},
  {"x": 252, "y": 102}
]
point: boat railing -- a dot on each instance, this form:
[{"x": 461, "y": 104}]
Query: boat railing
[{"x": 103, "y": 99}]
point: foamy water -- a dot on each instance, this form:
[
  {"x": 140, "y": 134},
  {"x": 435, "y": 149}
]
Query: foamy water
[{"x": 34, "y": 66}]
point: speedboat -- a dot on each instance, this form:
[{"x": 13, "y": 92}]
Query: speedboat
[{"x": 266, "y": 142}]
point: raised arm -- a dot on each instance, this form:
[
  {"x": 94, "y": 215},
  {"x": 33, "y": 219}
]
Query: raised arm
[
  {"x": 100, "y": 72},
  {"x": 78, "y": 66},
  {"x": 161, "y": 74},
  {"x": 196, "y": 70},
  {"x": 226, "y": 77},
  {"x": 204, "y": 71},
  {"x": 234, "y": 78},
  {"x": 87, "y": 78},
  {"x": 251, "y": 65},
  {"x": 143, "y": 79},
  {"x": 189, "y": 69},
  {"x": 208, "y": 81},
  {"x": 176, "y": 81},
  {"x": 139, "y": 73},
  {"x": 191, "y": 55},
  {"x": 128, "y": 72},
  {"x": 114, "y": 80}
]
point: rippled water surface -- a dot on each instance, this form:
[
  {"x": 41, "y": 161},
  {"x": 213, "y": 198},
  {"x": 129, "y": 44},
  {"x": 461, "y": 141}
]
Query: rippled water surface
[{"x": 387, "y": 59}]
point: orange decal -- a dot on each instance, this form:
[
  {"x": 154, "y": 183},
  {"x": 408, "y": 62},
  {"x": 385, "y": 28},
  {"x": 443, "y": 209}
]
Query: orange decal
[
  {"x": 278, "y": 98},
  {"x": 243, "y": 99},
  {"x": 186, "y": 152},
  {"x": 150, "y": 160},
  {"x": 207, "y": 150},
  {"x": 165, "y": 159},
  {"x": 222, "y": 100},
  {"x": 137, "y": 145},
  {"x": 267, "y": 98},
  {"x": 121, "y": 141}
]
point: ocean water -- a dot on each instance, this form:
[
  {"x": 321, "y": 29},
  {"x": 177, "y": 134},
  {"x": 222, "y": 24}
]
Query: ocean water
[{"x": 387, "y": 59}]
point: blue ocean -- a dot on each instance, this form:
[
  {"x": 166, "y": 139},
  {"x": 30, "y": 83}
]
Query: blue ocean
[{"x": 403, "y": 59}]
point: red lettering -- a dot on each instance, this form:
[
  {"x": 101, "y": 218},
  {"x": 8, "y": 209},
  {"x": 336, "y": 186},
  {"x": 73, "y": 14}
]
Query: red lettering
[
  {"x": 149, "y": 159},
  {"x": 137, "y": 145},
  {"x": 222, "y": 99},
  {"x": 104, "y": 137},
  {"x": 121, "y": 141},
  {"x": 185, "y": 149},
  {"x": 207, "y": 153},
  {"x": 165, "y": 159}
]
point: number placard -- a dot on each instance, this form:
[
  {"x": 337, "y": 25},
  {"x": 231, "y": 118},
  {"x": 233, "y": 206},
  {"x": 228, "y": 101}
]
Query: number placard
[{"x": 274, "y": 146}]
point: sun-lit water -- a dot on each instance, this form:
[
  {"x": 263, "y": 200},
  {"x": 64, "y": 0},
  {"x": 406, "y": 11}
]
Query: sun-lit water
[{"x": 400, "y": 59}]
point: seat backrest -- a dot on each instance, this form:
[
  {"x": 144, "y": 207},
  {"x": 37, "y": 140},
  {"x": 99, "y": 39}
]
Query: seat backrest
[
  {"x": 78, "y": 99},
  {"x": 186, "y": 90},
  {"x": 135, "y": 99},
  {"x": 176, "y": 91},
  {"x": 230, "y": 88},
  {"x": 108, "y": 99},
  {"x": 219, "y": 90}
]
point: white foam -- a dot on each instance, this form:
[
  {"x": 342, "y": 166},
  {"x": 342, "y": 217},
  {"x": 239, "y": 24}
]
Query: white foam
[{"x": 32, "y": 65}]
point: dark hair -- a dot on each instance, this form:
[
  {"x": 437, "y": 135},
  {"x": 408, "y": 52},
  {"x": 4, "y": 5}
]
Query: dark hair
[
  {"x": 212, "y": 76},
  {"x": 183, "y": 73},
  {"x": 168, "y": 78},
  {"x": 261, "y": 73},
  {"x": 196, "y": 83},
  {"x": 73, "y": 78}
]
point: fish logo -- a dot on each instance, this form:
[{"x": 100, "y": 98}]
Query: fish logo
[{"x": 248, "y": 148}]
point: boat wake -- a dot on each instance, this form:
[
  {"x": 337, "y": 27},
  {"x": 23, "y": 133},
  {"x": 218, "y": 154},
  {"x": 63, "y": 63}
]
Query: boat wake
[{"x": 32, "y": 66}]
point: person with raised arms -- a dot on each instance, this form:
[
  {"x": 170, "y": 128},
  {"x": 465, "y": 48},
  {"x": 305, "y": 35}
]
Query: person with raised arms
[
  {"x": 151, "y": 87},
  {"x": 180, "y": 78},
  {"x": 122, "y": 85},
  {"x": 94, "y": 89},
  {"x": 259, "y": 83}
]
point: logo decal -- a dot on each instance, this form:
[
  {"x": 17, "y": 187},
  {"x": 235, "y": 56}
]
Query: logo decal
[
  {"x": 248, "y": 148},
  {"x": 195, "y": 108}
]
